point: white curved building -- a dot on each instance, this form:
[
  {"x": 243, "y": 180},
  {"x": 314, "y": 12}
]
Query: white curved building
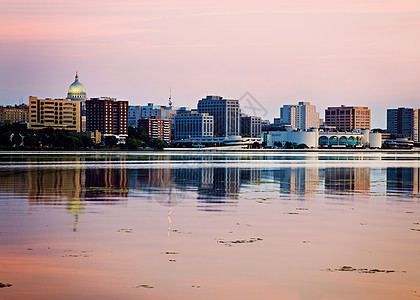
[
  {"x": 309, "y": 138},
  {"x": 375, "y": 140},
  {"x": 330, "y": 139},
  {"x": 334, "y": 139}
]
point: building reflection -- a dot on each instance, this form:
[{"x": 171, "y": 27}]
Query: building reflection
[
  {"x": 13, "y": 181},
  {"x": 146, "y": 178},
  {"x": 403, "y": 180},
  {"x": 347, "y": 179},
  {"x": 105, "y": 184},
  {"x": 250, "y": 175},
  {"x": 223, "y": 182},
  {"x": 57, "y": 186},
  {"x": 159, "y": 178},
  {"x": 54, "y": 186},
  {"x": 297, "y": 180},
  {"x": 208, "y": 182}
]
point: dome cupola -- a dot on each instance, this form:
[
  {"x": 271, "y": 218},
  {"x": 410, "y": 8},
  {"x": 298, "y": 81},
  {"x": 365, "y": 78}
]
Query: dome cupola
[{"x": 76, "y": 90}]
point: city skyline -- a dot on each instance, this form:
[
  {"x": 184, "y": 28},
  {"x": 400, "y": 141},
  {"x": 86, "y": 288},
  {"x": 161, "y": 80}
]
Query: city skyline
[{"x": 363, "y": 53}]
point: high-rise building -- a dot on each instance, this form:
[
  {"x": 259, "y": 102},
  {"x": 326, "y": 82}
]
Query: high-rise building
[
  {"x": 225, "y": 112},
  {"x": 55, "y": 113},
  {"x": 163, "y": 112},
  {"x": 302, "y": 116},
  {"x": 157, "y": 128},
  {"x": 250, "y": 125},
  {"x": 193, "y": 124},
  {"x": 14, "y": 114},
  {"x": 404, "y": 121},
  {"x": 108, "y": 115},
  {"x": 134, "y": 114},
  {"x": 348, "y": 118}
]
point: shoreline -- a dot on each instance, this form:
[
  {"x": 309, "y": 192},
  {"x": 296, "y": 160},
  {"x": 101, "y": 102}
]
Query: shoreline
[
  {"x": 220, "y": 150},
  {"x": 234, "y": 149}
]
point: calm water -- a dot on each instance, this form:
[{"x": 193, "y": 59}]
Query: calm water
[{"x": 209, "y": 226}]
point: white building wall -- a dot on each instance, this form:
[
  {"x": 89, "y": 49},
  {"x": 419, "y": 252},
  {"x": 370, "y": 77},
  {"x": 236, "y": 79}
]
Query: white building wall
[
  {"x": 375, "y": 140},
  {"x": 310, "y": 138},
  {"x": 366, "y": 134}
]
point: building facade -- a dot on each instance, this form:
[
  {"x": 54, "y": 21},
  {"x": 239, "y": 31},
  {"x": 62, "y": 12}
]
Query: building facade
[
  {"x": 108, "y": 115},
  {"x": 302, "y": 116},
  {"x": 251, "y": 126},
  {"x": 54, "y": 113},
  {"x": 14, "y": 114},
  {"x": 404, "y": 121},
  {"x": 348, "y": 118},
  {"x": 163, "y": 112},
  {"x": 134, "y": 115},
  {"x": 193, "y": 124},
  {"x": 157, "y": 128},
  {"x": 226, "y": 114}
]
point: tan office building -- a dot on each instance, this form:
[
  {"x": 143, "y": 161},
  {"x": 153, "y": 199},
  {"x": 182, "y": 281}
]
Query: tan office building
[
  {"x": 348, "y": 118},
  {"x": 54, "y": 113},
  {"x": 14, "y": 114}
]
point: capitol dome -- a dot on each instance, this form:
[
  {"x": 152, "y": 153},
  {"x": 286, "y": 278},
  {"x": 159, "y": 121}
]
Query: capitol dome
[{"x": 76, "y": 90}]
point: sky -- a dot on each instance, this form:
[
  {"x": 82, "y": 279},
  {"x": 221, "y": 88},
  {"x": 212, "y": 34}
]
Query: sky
[{"x": 327, "y": 52}]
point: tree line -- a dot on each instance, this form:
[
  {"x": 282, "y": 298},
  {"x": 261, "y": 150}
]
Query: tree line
[{"x": 18, "y": 137}]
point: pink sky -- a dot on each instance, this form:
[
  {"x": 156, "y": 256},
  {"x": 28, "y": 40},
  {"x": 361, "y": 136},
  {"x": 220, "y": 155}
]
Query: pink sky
[{"x": 328, "y": 52}]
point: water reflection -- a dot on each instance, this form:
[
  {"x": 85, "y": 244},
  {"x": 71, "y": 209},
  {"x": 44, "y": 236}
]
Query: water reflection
[
  {"x": 214, "y": 188},
  {"x": 298, "y": 180},
  {"x": 259, "y": 213},
  {"x": 403, "y": 180},
  {"x": 347, "y": 179},
  {"x": 54, "y": 186},
  {"x": 57, "y": 186}
]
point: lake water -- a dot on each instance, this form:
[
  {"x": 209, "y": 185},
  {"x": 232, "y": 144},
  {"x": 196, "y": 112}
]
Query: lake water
[{"x": 209, "y": 225}]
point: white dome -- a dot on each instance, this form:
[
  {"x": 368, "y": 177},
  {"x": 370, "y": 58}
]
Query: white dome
[{"x": 76, "y": 90}]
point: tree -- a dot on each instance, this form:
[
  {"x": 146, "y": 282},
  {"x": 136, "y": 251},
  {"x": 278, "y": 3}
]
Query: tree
[
  {"x": 16, "y": 139},
  {"x": 139, "y": 133},
  {"x": 256, "y": 145},
  {"x": 134, "y": 144},
  {"x": 385, "y": 146},
  {"x": 157, "y": 144},
  {"x": 5, "y": 140},
  {"x": 278, "y": 144},
  {"x": 45, "y": 140},
  {"x": 289, "y": 145},
  {"x": 302, "y": 146},
  {"x": 58, "y": 139},
  {"x": 72, "y": 143},
  {"x": 30, "y": 141},
  {"x": 86, "y": 141},
  {"x": 111, "y": 141}
]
